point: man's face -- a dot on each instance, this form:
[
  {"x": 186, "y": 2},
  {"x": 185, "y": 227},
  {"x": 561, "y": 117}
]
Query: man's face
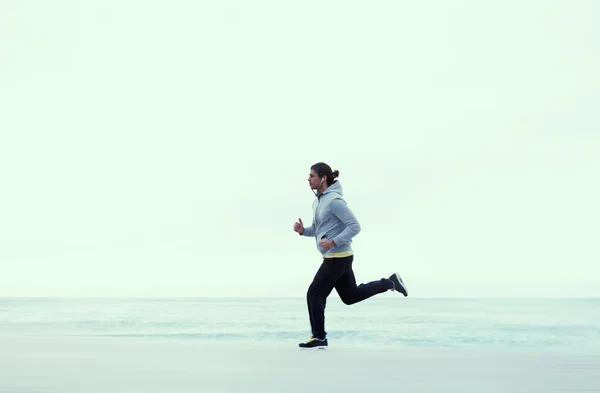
[{"x": 314, "y": 180}]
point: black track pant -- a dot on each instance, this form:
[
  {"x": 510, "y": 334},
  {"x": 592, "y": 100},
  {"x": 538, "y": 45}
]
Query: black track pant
[{"x": 337, "y": 273}]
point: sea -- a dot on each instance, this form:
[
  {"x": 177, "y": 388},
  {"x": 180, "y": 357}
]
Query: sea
[{"x": 377, "y": 322}]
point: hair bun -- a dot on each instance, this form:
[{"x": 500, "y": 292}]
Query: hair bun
[{"x": 336, "y": 173}]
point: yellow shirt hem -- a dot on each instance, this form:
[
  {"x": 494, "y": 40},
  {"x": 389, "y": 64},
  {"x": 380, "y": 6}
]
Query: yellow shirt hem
[{"x": 340, "y": 254}]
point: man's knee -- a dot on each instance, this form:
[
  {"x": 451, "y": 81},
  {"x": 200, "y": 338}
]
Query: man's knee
[
  {"x": 314, "y": 292},
  {"x": 348, "y": 301}
]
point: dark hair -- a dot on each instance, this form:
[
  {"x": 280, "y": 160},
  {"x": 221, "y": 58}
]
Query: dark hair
[{"x": 323, "y": 169}]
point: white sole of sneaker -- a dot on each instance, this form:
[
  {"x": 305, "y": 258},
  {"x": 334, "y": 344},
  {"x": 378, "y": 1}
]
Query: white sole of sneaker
[{"x": 401, "y": 282}]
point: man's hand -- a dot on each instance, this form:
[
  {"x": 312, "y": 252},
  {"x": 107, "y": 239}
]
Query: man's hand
[
  {"x": 299, "y": 226},
  {"x": 326, "y": 243}
]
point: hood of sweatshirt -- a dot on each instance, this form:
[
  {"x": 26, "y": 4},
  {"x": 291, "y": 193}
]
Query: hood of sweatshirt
[{"x": 335, "y": 187}]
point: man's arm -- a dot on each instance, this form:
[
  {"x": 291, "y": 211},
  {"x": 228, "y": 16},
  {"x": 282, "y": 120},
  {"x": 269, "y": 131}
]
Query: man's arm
[
  {"x": 309, "y": 231},
  {"x": 341, "y": 210}
]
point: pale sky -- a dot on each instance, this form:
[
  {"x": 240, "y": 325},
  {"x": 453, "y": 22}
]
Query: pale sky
[{"x": 162, "y": 148}]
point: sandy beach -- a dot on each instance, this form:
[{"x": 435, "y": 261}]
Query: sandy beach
[{"x": 141, "y": 365}]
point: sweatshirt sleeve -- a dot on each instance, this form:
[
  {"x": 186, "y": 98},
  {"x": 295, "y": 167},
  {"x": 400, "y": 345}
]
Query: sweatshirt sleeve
[
  {"x": 340, "y": 209},
  {"x": 309, "y": 231}
]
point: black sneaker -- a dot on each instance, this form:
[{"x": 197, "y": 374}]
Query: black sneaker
[
  {"x": 399, "y": 285},
  {"x": 314, "y": 342}
]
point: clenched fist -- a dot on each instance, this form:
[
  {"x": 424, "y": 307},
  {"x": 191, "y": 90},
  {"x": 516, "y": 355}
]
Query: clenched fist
[
  {"x": 299, "y": 226},
  {"x": 326, "y": 243}
]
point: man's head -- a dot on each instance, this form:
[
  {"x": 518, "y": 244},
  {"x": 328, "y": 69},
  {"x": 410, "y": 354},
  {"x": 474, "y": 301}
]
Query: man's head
[{"x": 321, "y": 176}]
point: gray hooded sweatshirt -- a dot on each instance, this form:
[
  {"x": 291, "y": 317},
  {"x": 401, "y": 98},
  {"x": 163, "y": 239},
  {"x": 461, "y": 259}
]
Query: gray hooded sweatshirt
[{"x": 332, "y": 219}]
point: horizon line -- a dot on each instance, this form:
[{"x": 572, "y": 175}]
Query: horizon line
[{"x": 280, "y": 297}]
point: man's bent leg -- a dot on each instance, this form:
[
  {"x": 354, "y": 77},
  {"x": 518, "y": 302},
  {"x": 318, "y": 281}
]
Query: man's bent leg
[{"x": 350, "y": 293}]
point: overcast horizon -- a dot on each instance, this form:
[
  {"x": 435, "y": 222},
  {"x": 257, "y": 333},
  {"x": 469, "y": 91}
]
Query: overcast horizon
[{"x": 162, "y": 149}]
